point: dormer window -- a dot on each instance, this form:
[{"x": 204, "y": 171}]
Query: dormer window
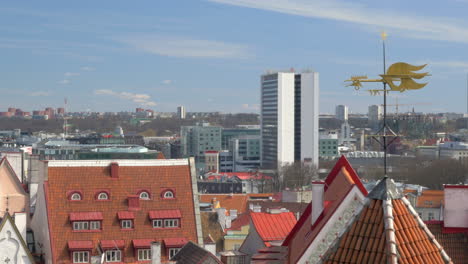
[
  {"x": 103, "y": 196},
  {"x": 144, "y": 195},
  {"x": 168, "y": 194},
  {"x": 75, "y": 197}
]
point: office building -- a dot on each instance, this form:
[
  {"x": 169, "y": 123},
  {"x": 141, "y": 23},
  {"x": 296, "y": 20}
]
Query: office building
[
  {"x": 196, "y": 140},
  {"x": 341, "y": 112},
  {"x": 289, "y": 118},
  {"x": 375, "y": 114},
  {"x": 181, "y": 112}
]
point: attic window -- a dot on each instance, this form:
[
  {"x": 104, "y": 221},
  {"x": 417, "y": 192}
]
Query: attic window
[
  {"x": 75, "y": 197},
  {"x": 144, "y": 195},
  {"x": 168, "y": 195},
  {"x": 103, "y": 196}
]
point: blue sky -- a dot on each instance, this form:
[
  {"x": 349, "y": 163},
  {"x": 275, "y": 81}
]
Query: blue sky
[{"x": 208, "y": 55}]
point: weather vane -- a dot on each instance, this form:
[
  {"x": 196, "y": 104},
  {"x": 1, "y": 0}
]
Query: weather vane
[{"x": 399, "y": 77}]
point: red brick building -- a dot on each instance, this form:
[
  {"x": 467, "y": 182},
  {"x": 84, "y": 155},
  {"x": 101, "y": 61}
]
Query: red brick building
[{"x": 115, "y": 209}]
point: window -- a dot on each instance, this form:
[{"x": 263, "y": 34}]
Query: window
[
  {"x": 430, "y": 216},
  {"x": 75, "y": 197},
  {"x": 144, "y": 254},
  {"x": 95, "y": 225},
  {"x": 157, "y": 223},
  {"x": 80, "y": 257},
  {"x": 103, "y": 196},
  {"x": 113, "y": 256},
  {"x": 168, "y": 194},
  {"x": 126, "y": 224},
  {"x": 80, "y": 225},
  {"x": 171, "y": 223},
  {"x": 173, "y": 252},
  {"x": 144, "y": 196}
]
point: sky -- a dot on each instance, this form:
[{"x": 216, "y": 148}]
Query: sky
[{"x": 208, "y": 55}]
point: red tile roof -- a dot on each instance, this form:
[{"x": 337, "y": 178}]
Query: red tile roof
[
  {"x": 110, "y": 244},
  {"x": 340, "y": 181},
  {"x": 165, "y": 214},
  {"x": 430, "y": 199},
  {"x": 386, "y": 230},
  {"x": 240, "y": 221},
  {"x": 142, "y": 243},
  {"x": 175, "y": 242},
  {"x": 455, "y": 244},
  {"x": 125, "y": 215},
  {"x": 273, "y": 227},
  {"x": 150, "y": 175},
  {"x": 80, "y": 245},
  {"x": 86, "y": 216}
]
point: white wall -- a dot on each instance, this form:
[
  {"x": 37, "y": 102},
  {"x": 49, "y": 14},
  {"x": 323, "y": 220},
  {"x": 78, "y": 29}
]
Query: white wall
[
  {"x": 285, "y": 146},
  {"x": 11, "y": 246},
  {"x": 456, "y": 207},
  {"x": 310, "y": 117},
  {"x": 40, "y": 226}
]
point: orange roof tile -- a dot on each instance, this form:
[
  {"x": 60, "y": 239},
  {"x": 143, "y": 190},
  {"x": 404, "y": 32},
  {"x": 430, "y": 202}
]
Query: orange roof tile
[
  {"x": 386, "y": 220},
  {"x": 228, "y": 201},
  {"x": 430, "y": 199},
  {"x": 273, "y": 227},
  {"x": 455, "y": 244}
]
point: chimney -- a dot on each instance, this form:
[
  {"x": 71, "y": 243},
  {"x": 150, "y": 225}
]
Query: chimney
[
  {"x": 156, "y": 253},
  {"x": 114, "y": 168},
  {"x": 133, "y": 202},
  {"x": 317, "y": 200}
]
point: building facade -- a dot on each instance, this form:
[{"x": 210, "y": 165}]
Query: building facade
[
  {"x": 374, "y": 114},
  {"x": 289, "y": 118},
  {"x": 181, "y": 112},
  {"x": 341, "y": 112}
]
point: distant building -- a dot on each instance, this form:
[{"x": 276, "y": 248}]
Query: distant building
[
  {"x": 374, "y": 114},
  {"x": 328, "y": 145},
  {"x": 341, "y": 112},
  {"x": 181, "y": 112},
  {"x": 196, "y": 140},
  {"x": 289, "y": 118}
]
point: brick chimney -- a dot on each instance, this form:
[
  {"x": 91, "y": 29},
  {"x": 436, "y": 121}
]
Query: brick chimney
[{"x": 114, "y": 168}]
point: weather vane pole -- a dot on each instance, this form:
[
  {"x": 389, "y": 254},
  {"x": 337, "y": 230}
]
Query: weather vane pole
[{"x": 400, "y": 72}]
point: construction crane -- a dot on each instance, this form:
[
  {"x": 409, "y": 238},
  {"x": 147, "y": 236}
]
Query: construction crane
[{"x": 409, "y": 104}]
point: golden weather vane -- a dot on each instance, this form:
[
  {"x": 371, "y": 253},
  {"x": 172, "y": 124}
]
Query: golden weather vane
[{"x": 399, "y": 76}]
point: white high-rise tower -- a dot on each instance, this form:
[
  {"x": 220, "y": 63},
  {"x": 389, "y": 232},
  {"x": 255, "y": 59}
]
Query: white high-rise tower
[{"x": 289, "y": 118}]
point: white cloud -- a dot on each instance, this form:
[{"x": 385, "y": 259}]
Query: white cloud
[
  {"x": 70, "y": 74},
  {"x": 167, "y": 82},
  {"x": 405, "y": 24},
  {"x": 87, "y": 68},
  {"x": 141, "y": 99},
  {"x": 64, "y": 81},
  {"x": 185, "y": 47},
  {"x": 39, "y": 93}
]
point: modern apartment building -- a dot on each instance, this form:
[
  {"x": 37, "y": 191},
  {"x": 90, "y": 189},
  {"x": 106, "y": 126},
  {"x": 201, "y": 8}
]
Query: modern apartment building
[
  {"x": 341, "y": 112},
  {"x": 374, "y": 114},
  {"x": 289, "y": 118},
  {"x": 181, "y": 112},
  {"x": 196, "y": 140}
]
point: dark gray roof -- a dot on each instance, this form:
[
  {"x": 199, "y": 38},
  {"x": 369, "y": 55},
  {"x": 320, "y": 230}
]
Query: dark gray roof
[
  {"x": 385, "y": 190},
  {"x": 191, "y": 253}
]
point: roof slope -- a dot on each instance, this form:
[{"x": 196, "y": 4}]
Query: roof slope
[
  {"x": 386, "y": 230},
  {"x": 455, "y": 244},
  {"x": 193, "y": 254},
  {"x": 273, "y": 227}
]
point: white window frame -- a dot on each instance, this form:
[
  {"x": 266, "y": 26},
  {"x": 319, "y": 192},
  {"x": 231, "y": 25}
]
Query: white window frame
[
  {"x": 171, "y": 223},
  {"x": 80, "y": 256},
  {"x": 142, "y": 194},
  {"x": 80, "y": 225},
  {"x": 114, "y": 255},
  {"x": 75, "y": 197},
  {"x": 95, "y": 225},
  {"x": 173, "y": 252},
  {"x": 168, "y": 194},
  {"x": 126, "y": 224},
  {"x": 430, "y": 216},
  {"x": 160, "y": 225},
  {"x": 104, "y": 196},
  {"x": 144, "y": 254}
]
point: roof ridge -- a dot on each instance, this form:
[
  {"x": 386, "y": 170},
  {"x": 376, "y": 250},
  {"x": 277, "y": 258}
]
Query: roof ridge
[
  {"x": 428, "y": 232},
  {"x": 389, "y": 229}
]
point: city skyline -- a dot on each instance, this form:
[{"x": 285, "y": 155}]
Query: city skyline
[{"x": 117, "y": 57}]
